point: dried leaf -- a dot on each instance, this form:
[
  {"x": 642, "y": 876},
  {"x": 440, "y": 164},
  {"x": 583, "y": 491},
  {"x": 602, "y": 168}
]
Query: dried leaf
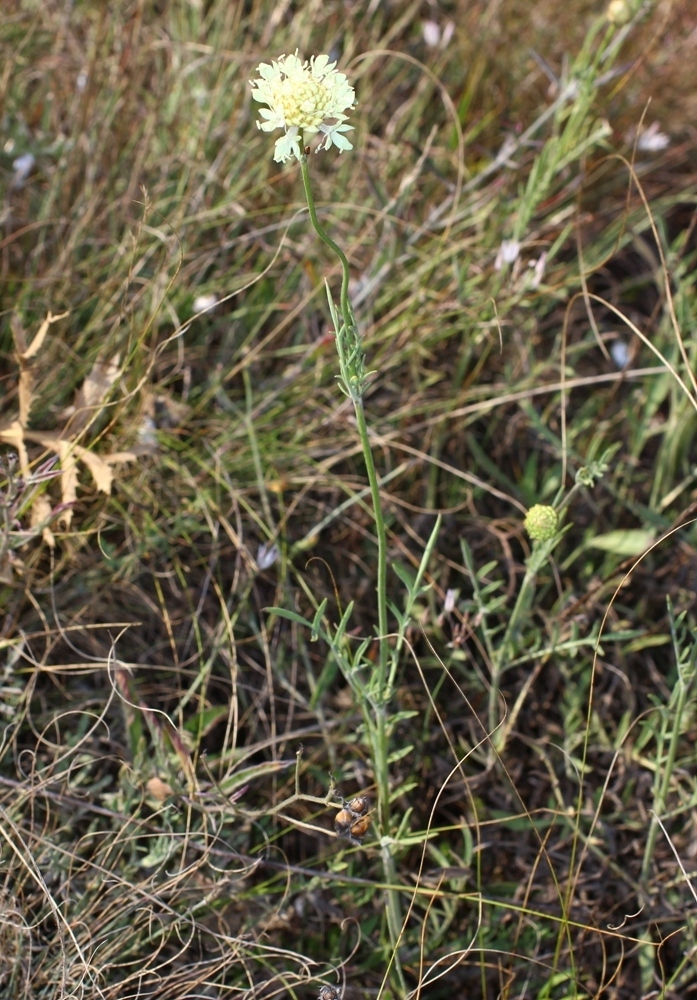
[
  {"x": 41, "y": 512},
  {"x": 38, "y": 340},
  {"x": 101, "y": 472},
  {"x": 68, "y": 473},
  {"x": 159, "y": 789},
  {"x": 91, "y": 395},
  {"x": 24, "y": 354},
  {"x": 115, "y": 457},
  {"x": 88, "y": 402},
  {"x": 13, "y": 434},
  {"x": 68, "y": 477},
  {"x": 6, "y": 568},
  {"x": 25, "y": 392}
]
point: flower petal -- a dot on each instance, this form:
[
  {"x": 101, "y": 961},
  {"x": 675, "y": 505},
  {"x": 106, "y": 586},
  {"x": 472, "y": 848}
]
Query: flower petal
[{"x": 286, "y": 146}]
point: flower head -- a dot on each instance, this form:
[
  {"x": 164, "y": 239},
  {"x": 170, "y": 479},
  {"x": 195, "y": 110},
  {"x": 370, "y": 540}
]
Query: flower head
[
  {"x": 541, "y": 522},
  {"x": 303, "y": 97},
  {"x": 618, "y": 12}
]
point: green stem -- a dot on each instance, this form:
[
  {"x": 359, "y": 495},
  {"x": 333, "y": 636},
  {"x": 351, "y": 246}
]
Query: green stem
[
  {"x": 537, "y": 559},
  {"x": 357, "y": 399},
  {"x": 382, "y": 549},
  {"x": 353, "y": 376},
  {"x": 324, "y": 236}
]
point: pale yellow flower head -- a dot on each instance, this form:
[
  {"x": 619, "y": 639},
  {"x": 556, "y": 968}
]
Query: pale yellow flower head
[
  {"x": 303, "y": 97},
  {"x": 618, "y": 11}
]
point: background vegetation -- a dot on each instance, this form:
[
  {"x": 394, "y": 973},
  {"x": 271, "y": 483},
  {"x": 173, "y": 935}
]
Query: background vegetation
[{"x": 520, "y": 225}]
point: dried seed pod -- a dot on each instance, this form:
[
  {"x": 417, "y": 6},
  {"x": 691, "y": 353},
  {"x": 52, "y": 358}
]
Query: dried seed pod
[
  {"x": 343, "y": 822},
  {"x": 329, "y": 993},
  {"x": 353, "y": 819},
  {"x": 359, "y": 828},
  {"x": 359, "y": 806}
]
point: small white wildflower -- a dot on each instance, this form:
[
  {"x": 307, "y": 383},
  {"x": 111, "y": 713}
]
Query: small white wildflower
[
  {"x": 652, "y": 140},
  {"x": 434, "y": 37},
  {"x": 620, "y": 353},
  {"x": 203, "y": 303},
  {"x": 22, "y": 167},
  {"x": 303, "y": 98},
  {"x": 508, "y": 253},
  {"x": 267, "y": 555},
  {"x": 431, "y": 33}
]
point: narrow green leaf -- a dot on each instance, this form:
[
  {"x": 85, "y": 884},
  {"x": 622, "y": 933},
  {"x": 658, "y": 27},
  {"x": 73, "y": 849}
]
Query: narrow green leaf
[
  {"x": 631, "y": 542},
  {"x": 290, "y": 615},
  {"x": 317, "y": 620},
  {"x": 343, "y": 624},
  {"x": 407, "y": 577}
]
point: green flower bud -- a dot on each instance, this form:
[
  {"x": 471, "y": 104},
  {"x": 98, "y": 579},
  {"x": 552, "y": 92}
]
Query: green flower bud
[{"x": 541, "y": 522}]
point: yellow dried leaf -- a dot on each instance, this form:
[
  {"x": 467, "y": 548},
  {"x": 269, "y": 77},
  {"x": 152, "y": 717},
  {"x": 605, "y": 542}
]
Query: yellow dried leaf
[
  {"x": 40, "y": 512},
  {"x": 68, "y": 473},
  {"x": 101, "y": 472},
  {"x": 91, "y": 395},
  {"x": 159, "y": 789},
  {"x": 115, "y": 457},
  {"x": 24, "y": 391},
  {"x": 38, "y": 340},
  {"x": 88, "y": 401},
  {"x": 23, "y": 355},
  {"x": 13, "y": 434},
  {"x": 68, "y": 477}
]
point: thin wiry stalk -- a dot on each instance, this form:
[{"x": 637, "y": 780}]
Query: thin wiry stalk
[{"x": 353, "y": 378}]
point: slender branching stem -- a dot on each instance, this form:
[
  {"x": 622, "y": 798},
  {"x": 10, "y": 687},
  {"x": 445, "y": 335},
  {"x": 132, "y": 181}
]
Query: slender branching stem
[
  {"x": 381, "y": 533},
  {"x": 326, "y": 238},
  {"x": 353, "y": 380}
]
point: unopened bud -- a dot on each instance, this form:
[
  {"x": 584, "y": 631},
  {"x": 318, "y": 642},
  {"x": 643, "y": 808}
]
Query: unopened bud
[{"x": 541, "y": 522}]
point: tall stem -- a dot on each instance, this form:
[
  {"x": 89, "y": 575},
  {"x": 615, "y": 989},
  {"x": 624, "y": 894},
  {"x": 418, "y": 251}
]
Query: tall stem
[
  {"x": 374, "y": 707},
  {"x": 382, "y": 547},
  {"x": 536, "y": 560},
  {"x": 324, "y": 236},
  {"x": 353, "y": 383}
]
